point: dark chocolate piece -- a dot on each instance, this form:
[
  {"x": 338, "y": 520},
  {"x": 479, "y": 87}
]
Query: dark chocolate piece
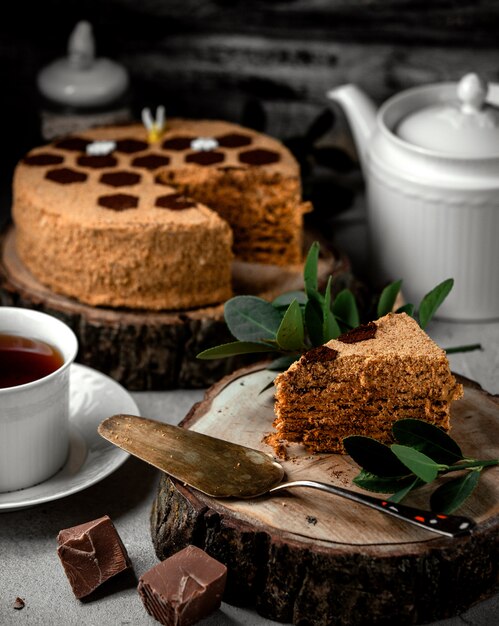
[
  {"x": 233, "y": 140},
  {"x": 43, "y": 158},
  {"x": 209, "y": 157},
  {"x": 65, "y": 176},
  {"x": 183, "y": 589},
  {"x": 120, "y": 179},
  {"x": 97, "y": 162},
  {"x": 73, "y": 144},
  {"x": 259, "y": 156},
  {"x": 177, "y": 143},
  {"x": 151, "y": 161},
  {"x": 91, "y": 553},
  {"x": 118, "y": 201},
  {"x": 174, "y": 201},
  {"x": 320, "y": 354},
  {"x": 361, "y": 333},
  {"x": 129, "y": 146}
]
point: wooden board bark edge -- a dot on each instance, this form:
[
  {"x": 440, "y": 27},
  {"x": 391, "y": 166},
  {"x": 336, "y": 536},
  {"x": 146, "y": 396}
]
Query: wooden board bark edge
[{"x": 290, "y": 580}]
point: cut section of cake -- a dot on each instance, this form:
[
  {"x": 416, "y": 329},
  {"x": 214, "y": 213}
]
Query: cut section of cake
[{"x": 361, "y": 383}]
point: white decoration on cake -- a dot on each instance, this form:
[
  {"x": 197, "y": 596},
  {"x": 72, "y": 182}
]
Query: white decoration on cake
[
  {"x": 204, "y": 144},
  {"x": 154, "y": 126},
  {"x": 100, "y": 148}
]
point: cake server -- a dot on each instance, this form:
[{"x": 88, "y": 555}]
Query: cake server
[{"x": 222, "y": 469}]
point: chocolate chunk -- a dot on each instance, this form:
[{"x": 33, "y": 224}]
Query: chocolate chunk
[
  {"x": 361, "y": 333},
  {"x": 320, "y": 354},
  {"x": 205, "y": 158},
  {"x": 43, "y": 158},
  {"x": 120, "y": 179},
  {"x": 183, "y": 589},
  {"x": 90, "y": 554},
  {"x": 118, "y": 201},
  {"x": 174, "y": 201},
  {"x": 151, "y": 161},
  {"x": 19, "y": 604},
  {"x": 73, "y": 144},
  {"x": 129, "y": 146},
  {"x": 233, "y": 140},
  {"x": 97, "y": 162},
  {"x": 177, "y": 143},
  {"x": 259, "y": 156},
  {"x": 65, "y": 176}
]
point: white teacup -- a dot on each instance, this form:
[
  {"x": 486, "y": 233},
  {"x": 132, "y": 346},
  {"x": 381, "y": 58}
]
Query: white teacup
[{"x": 34, "y": 416}]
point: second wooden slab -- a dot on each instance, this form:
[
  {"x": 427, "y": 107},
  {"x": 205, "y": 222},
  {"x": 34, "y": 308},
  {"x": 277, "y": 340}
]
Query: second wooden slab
[{"x": 311, "y": 556}]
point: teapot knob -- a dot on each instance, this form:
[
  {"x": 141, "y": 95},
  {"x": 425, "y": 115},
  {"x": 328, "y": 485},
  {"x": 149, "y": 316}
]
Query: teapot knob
[{"x": 472, "y": 91}]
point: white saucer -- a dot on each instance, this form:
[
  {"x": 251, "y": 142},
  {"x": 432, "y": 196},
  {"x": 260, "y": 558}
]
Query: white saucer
[{"x": 93, "y": 397}]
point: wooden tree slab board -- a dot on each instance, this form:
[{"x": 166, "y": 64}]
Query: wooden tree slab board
[
  {"x": 146, "y": 350},
  {"x": 312, "y": 558}
]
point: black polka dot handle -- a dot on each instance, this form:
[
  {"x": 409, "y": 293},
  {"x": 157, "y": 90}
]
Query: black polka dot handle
[{"x": 448, "y": 525}]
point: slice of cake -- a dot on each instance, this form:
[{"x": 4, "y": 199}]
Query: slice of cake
[{"x": 361, "y": 383}]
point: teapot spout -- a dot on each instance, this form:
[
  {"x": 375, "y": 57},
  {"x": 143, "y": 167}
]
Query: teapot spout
[{"x": 361, "y": 115}]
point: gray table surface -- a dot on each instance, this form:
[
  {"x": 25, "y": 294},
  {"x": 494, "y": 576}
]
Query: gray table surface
[{"x": 29, "y": 566}]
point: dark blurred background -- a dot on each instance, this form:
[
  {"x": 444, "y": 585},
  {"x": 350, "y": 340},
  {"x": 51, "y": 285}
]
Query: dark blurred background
[{"x": 265, "y": 64}]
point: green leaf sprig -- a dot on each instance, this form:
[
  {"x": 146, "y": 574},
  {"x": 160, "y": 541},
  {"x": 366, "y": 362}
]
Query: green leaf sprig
[
  {"x": 299, "y": 320},
  {"x": 422, "y": 454}
]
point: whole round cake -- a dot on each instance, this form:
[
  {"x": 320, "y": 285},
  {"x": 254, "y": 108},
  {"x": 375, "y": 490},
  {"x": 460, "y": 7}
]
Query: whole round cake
[{"x": 112, "y": 219}]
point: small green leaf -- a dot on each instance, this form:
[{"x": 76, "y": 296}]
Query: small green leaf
[
  {"x": 467, "y": 348},
  {"x": 373, "y": 456},
  {"x": 313, "y": 321},
  {"x": 428, "y": 439},
  {"x": 420, "y": 464},
  {"x": 285, "y": 299},
  {"x": 406, "y": 308},
  {"x": 330, "y": 328},
  {"x": 382, "y": 484},
  {"x": 388, "y": 297},
  {"x": 432, "y": 300},
  {"x": 252, "y": 319},
  {"x": 234, "y": 348},
  {"x": 412, "y": 483},
  {"x": 345, "y": 308},
  {"x": 452, "y": 494},
  {"x": 310, "y": 269},
  {"x": 290, "y": 334}
]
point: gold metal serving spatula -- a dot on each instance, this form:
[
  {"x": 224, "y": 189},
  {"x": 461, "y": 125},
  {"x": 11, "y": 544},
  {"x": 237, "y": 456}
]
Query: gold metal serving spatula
[{"x": 222, "y": 469}]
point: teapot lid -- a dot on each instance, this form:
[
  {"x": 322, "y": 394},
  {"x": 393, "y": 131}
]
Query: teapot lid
[
  {"x": 81, "y": 79},
  {"x": 465, "y": 126}
]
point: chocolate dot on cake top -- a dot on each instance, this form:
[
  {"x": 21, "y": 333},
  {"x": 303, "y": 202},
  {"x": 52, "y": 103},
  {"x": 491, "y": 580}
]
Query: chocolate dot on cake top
[
  {"x": 259, "y": 156},
  {"x": 118, "y": 201},
  {"x": 129, "y": 146},
  {"x": 361, "y": 333},
  {"x": 66, "y": 176},
  {"x": 97, "y": 162},
  {"x": 174, "y": 201},
  {"x": 73, "y": 144},
  {"x": 151, "y": 161},
  {"x": 320, "y": 354},
  {"x": 205, "y": 158},
  {"x": 233, "y": 140},
  {"x": 178, "y": 143},
  {"x": 120, "y": 179},
  {"x": 43, "y": 158}
]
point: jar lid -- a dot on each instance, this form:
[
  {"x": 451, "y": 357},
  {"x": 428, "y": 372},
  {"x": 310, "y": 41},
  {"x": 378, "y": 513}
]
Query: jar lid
[
  {"x": 465, "y": 126},
  {"x": 81, "y": 79}
]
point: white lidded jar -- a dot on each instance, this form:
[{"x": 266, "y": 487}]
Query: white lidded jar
[
  {"x": 81, "y": 90},
  {"x": 430, "y": 157}
]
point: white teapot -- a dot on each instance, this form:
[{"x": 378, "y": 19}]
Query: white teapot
[{"x": 430, "y": 159}]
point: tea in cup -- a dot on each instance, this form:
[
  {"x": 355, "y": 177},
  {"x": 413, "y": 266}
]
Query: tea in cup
[{"x": 36, "y": 351}]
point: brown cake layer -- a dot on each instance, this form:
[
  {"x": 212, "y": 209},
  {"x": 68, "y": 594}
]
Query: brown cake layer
[
  {"x": 362, "y": 383},
  {"x": 132, "y": 228}
]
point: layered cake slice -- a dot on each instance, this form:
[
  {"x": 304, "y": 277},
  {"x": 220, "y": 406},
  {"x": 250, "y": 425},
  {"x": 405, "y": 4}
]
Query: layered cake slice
[{"x": 361, "y": 383}]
